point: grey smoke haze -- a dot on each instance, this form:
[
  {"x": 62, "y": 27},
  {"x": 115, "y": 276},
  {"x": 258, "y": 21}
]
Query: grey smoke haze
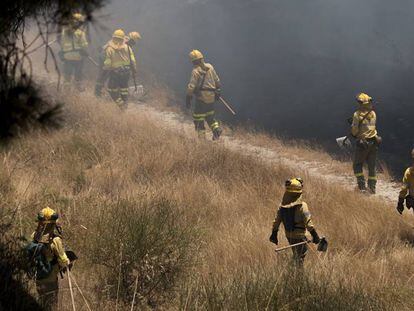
[{"x": 290, "y": 66}]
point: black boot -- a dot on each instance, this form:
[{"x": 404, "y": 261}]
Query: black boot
[
  {"x": 361, "y": 184},
  {"x": 217, "y": 133},
  {"x": 372, "y": 185}
]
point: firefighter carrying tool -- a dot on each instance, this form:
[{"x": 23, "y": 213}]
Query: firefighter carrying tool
[
  {"x": 103, "y": 75},
  {"x": 205, "y": 86},
  {"x": 47, "y": 257},
  {"x": 119, "y": 61},
  {"x": 364, "y": 129},
  {"x": 296, "y": 218}
]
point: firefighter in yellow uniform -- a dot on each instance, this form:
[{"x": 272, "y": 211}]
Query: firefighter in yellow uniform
[
  {"x": 407, "y": 190},
  {"x": 74, "y": 46},
  {"x": 296, "y": 218},
  {"x": 205, "y": 86},
  {"x": 367, "y": 141},
  {"x": 119, "y": 60},
  {"x": 103, "y": 75},
  {"x": 54, "y": 252}
]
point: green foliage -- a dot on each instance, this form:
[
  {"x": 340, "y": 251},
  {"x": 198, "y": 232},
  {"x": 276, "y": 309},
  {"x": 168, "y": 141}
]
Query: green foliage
[
  {"x": 147, "y": 242},
  {"x": 22, "y": 106}
]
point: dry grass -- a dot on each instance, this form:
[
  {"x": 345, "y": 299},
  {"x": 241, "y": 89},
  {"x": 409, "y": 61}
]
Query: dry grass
[{"x": 107, "y": 171}]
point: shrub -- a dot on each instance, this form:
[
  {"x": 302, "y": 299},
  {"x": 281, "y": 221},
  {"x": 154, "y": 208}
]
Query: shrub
[{"x": 145, "y": 246}]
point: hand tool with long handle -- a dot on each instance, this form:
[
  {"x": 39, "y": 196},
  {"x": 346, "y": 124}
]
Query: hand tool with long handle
[
  {"x": 227, "y": 106},
  {"x": 277, "y": 250}
]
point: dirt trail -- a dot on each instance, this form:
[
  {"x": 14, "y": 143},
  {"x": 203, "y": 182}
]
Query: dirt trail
[
  {"x": 182, "y": 124},
  {"x": 173, "y": 121}
]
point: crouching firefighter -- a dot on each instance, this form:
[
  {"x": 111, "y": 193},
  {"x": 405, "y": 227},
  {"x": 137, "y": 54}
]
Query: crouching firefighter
[
  {"x": 119, "y": 61},
  {"x": 47, "y": 258},
  {"x": 205, "y": 86},
  {"x": 74, "y": 46},
  {"x": 364, "y": 129},
  {"x": 407, "y": 190},
  {"x": 296, "y": 218}
]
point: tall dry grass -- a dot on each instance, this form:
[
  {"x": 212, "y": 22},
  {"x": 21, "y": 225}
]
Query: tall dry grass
[{"x": 183, "y": 224}]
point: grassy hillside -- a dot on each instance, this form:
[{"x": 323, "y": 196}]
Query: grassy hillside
[{"x": 184, "y": 224}]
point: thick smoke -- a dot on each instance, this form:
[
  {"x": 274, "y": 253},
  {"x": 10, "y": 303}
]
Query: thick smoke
[{"x": 290, "y": 67}]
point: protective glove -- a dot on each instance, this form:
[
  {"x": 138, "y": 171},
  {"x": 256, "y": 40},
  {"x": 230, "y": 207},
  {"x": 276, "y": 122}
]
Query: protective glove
[
  {"x": 188, "y": 102},
  {"x": 400, "y": 206},
  {"x": 315, "y": 237},
  {"x": 409, "y": 201},
  {"x": 217, "y": 94},
  {"x": 378, "y": 140},
  {"x": 273, "y": 237}
]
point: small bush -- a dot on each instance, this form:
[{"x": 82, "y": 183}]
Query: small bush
[{"x": 145, "y": 242}]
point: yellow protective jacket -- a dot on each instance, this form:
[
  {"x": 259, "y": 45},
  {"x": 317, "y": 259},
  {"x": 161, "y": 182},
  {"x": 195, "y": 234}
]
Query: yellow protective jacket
[
  {"x": 363, "y": 125},
  {"x": 72, "y": 42},
  {"x": 408, "y": 183},
  {"x": 118, "y": 56},
  {"x": 211, "y": 82},
  {"x": 295, "y": 216},
  {"x": 54, "y": 250}
]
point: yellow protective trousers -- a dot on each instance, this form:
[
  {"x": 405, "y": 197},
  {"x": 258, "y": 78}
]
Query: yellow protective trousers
[
  {"x": 366, "y": 152},
  {"x": 118, "y": 85},
  {"x": 204, "y": 113},
  {"x": 299, "y": 252}
]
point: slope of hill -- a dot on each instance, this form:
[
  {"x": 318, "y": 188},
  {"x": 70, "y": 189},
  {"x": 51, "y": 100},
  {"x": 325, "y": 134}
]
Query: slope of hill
[{"x": 170, "y": 222}]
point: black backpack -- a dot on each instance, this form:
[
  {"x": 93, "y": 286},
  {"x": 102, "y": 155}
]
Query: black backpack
[
  {"x": 288, "y": 217},
  {"x": 39, "y": 267}
]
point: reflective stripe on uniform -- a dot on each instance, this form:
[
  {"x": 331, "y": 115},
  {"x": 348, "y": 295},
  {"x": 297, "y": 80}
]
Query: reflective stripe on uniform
[
  {"x": 124, "y": 91},
  {"x": 215, "y": 125},
  {"x": 372, "y": 178},
  {"x": 359, "y": 175},
  {"x": 199, "y": 117},
  {"x": 210, "y": 113}
]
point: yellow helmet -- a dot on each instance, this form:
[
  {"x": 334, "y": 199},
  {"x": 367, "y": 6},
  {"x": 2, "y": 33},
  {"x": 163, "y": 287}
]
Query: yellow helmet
[
  {"x": 294, "y": 185},
  {"x": 78, "y": 17},
  {"x": 47, "y": 215},
  {"x": 135, "y": 36},
  {"x": 363, "y": 98},
  {"x": 195, "y": 55},
  {"x": 119, "y": 34}
]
